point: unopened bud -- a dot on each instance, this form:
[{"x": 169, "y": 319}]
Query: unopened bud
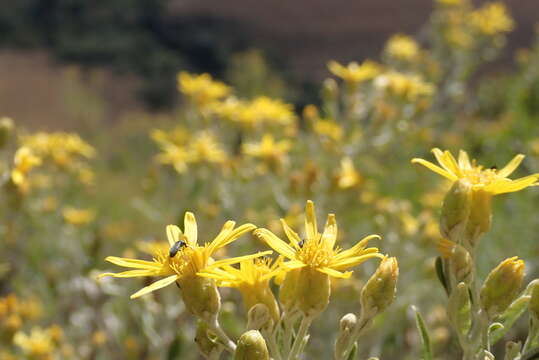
[
  {"x": 459, "y": 309},
  {"x": 330, "y": 90},
  {"x": 460, "y": 260},
  {"x": 6, "y": 129},
  {"x": 259, "y": 317},
  {"x": 200, "y": 296},
  {"x": 480, "y": 217},
  {"x": 208, "y": 347},
  {"x": 502, "y": 286},
  {"x": 346, "y": 328},
  {"x": 251, "y": 346},
  {"x": 533, "y": 305},
  {"x": 456, "y": 210},
  {"x": 379, "y": 292}
]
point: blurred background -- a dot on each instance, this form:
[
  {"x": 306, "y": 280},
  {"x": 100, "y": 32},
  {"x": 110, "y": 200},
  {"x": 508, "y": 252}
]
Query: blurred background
[{"x": 124, "y": 114}]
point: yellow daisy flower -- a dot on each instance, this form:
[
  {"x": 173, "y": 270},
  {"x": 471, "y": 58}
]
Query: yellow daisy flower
[
  {"x": 251, "y": 279},
  {"x": 185, "y": 257},
  {"x": 489, "y": 180},
  {"x": 313, "y": 260}
]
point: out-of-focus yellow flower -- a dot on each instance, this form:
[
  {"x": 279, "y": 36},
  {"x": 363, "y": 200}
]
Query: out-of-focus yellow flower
[
  {"x": 252, "y": 281},
  {"x": 99, "y": 338},
  {"x": 354, "y": 73},
  {"x": 174, "y": 155},
  {"x": 25, "y": 159},
  {"x": 257, "y": 112},
  {"x": 492, "y": 19},
  {"x": 185, "y": 258},
  {"x": 347, "y": 175},
  {"x": 489, "y": 180},
  {"x": 202, "y": 90},
  {"x": 86, "y": 176},
  {"x": 328, "y": 128},
  {"x": 177, "y": 136},
  {"x": 410, "y": 87},
  {"x": 37, "y": 345},
  {"x": 269, "y": 150},
  {"x": 313, "y": 259},
  {"x": 59, "y": 146},
  {"x": 451, "y": 2},
  {"x": 205, "y": 149},
  {"x": 402, "y": 47},
  {"x": 78, "y": 217}
]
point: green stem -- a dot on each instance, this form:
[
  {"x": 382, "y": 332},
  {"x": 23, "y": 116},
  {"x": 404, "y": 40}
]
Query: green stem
[
  {"x": 214, "y": 326},
  {"x": 302, "y": 332}
]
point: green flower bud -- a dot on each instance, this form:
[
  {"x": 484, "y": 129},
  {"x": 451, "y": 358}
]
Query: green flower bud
[
  {"x": 480, "y": 217},
  {"x": 346, "y": 328},
  {"x": 200, "y": 296},
  {"x": 379, "y": 292},
  {"x": 456, "y": 209},
  {"x": 259, "y": 317},
  {"x": 251, "y": 346},
  {"x": 203, "y": 338},
  {"x": 502, "y": 286},
  {"x": 6, "y": 129}
]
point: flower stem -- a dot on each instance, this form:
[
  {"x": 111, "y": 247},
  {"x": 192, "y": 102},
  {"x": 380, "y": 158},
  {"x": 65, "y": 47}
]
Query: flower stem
[
  {"x": 298, "y": 342},
  {"x": 214, "y": 326}
]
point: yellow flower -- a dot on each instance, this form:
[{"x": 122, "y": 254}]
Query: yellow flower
[
  {"x": 489, "y": 180},
  {"x": 407, "y": 86},
  {"x": 328, "y": 128},
  {"x": 312, "y": 260},
  {"x": 175, "y": 155},
  {"x": 206, "y": 148},
  {"x": 492, "y": 19},
  {"x": 24, "y": 161},
  {"x": 257, "y": 112},
  {"x": 78, "y": 217},
  {"x": 354, "y": 73},
  {"x": 274, "y": 152},
  {"x": 190, "y": 258},
  {"x": 38, "y": 344},
  {"x": 402, "y": 47},
  {"x": 202, "y": 89},
  {"x": 176, "y": 136},
  {"x": 347, "y": 175},
  {"x": 252, "y": 281}
]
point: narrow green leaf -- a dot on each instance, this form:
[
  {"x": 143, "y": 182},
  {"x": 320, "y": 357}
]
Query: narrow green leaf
[
  {"x": 424, "y": 334},
  {"x": 353, "y": 353},
  {"x": 440, "y": 273},
  {"x": 459, "y": 309},
  {"x": 509, "y": 317}
]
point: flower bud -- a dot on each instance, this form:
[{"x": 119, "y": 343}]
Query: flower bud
[
  {"x": 533, "y": 305},
  {"x": 251, "y": 346},
  {"x": 502, "y": 286},
  {"x": 460, "y": 261},
  {"x": 200, "y": 296},
  {"x": 346, "y": 328},
  {"x": 480, "y": 217},
  {"x": 6, "y": 129},
  {"x": 261, "y": 295},
  {"x": 379, "y": 292},
  {"x": 259, "y": 317},
  {"x": 456, "y": 210},
  {"x": 206, "y": 345},
  {"x": 459, "y": 309}
]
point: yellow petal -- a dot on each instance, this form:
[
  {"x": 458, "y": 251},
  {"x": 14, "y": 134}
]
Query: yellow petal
[
  {"x": 275, "y": 243},
  {"x": 451, "y": 163},
  {"x": 133, "y": 263},
  {"x": 225, "y": 231},
  {"x": 190, "y": 228},
  {"x": 292, "y": 265},
  {"x": 173, "y": 234},
  {"x": 512, "y": 186},
  {"x": 231, "y": 237},
  {"x": 236, "y": 260},
  {"x": 511, "y": 166},
  {"x": 330, "y": 232},
  {"x": 155, "y": 286},
  {"x": 435, "y": 168},
  {"x": 335, "y": 273},
  {"x": 464, "y": 160},
  {"x": 129, "y": 273},
  {"x": 357, "y": 249},
  {"x": 354, "y": 261},
  {"x": 291, "y": 234},
  {"x": 311, "y": 227}
]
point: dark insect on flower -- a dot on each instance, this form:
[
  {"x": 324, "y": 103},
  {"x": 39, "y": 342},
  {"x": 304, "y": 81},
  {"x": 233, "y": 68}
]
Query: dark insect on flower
[
  {"x": 494, "y": 167},
  {"x": 301, "y": 243},
  {"x": 180, "y": 244}
]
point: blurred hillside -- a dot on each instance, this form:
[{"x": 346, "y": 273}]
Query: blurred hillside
[{"x": 138, "y": 46}]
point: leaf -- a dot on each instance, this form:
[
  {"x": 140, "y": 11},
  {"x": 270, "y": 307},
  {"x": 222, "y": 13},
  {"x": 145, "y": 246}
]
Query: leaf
[
  {"x": 509, "y": 317},
  {"x": 175, "y": 349},
  {"x": 353, "y": 353},
  {"x": 424, "y": 334},
  {"x": 438, "y": 264}
]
